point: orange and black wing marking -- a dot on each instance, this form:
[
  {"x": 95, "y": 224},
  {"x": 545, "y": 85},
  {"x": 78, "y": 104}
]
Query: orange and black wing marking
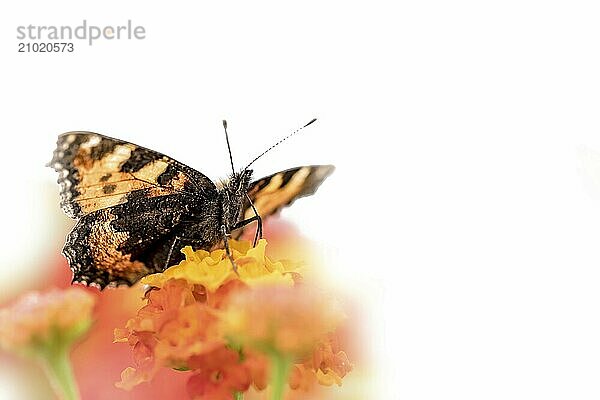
[
  {"x": 119, "y": 245},
  {"x": 98, "y": 172},
  {"x": 279, "y": 190},
  {"x": 131, "y": 204}
]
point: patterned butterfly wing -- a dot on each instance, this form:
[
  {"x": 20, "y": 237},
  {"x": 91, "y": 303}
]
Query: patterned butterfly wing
[
  {"x": 279, "y": 190},
  {"x": 97, "y": 172},
  {"x": 128, "y": 201}
]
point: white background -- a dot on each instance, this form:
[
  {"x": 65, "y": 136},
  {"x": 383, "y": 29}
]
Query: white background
[{"x": 464, "y": 211}]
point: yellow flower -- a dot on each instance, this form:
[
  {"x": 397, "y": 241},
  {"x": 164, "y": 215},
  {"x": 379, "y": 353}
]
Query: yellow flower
[{"x": 213, "y": 270}]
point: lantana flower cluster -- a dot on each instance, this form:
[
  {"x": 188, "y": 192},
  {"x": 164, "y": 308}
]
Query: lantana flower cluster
[
  {"x": 44, "y": 326},
  {"x": 258, "y": 325},
  {"x": 44, "y": 317}
]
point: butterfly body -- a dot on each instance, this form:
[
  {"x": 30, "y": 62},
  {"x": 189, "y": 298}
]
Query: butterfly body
[{"x": 136, "y": 208}]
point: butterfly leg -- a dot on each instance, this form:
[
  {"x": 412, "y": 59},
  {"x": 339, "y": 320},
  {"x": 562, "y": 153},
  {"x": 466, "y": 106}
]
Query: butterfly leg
[
  {"x": 243, "y": 223},
  {"x": 258, "y": 234},
  {"x": 179, "y": 241},
  {"x": 175, "y": 241},
  {"x": 247, "y": 221},
  {"x": 227, "y": 250}
]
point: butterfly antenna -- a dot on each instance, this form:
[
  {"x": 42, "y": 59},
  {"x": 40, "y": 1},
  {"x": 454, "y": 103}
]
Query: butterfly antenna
[
  {"x": 228, "y": 147},
  {"x": 279, "y": 142}
]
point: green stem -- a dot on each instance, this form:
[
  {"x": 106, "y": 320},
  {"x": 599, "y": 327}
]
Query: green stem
[
  {"x": 58, "y": 369},
  {"x": 238, "y": 396},
  {"x": 280, "y": 368}
]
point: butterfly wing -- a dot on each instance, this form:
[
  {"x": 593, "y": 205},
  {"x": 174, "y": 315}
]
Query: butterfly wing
[
  {"x": 121, "y": 244},
  {"x": 129, "y": 202},
  {"x": 97, "y": 172},
  {"x": 279, "y": 190}
]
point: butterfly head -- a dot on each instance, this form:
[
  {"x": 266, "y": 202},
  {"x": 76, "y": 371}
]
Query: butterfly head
[
  {"x": 239, "y": 182},
  {"x": 233, "y": 195},
  {"x": 235, "y": 192}
]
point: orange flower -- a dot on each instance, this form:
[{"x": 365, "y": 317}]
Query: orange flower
[
  {"x": 327, "y": 365},
  {"x": 218, "y": 374},
  {"x": 203, "y": 317},
  {"x": 168, "y": 331},
  {"x": 180, "y": 325},
  {"x": 282, "y": 319},
  {"x": 291, "y": 326}
]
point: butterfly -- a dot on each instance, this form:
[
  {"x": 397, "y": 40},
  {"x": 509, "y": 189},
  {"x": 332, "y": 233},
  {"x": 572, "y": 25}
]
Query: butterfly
[{"x": 136, "y": 208}]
